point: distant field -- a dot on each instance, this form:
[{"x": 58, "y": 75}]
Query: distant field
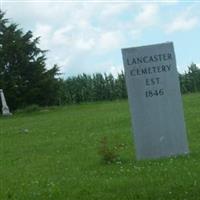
[{"x": 53, "y": 155}]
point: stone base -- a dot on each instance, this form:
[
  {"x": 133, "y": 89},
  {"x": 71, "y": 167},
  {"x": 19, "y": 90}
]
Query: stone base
[{"x": 6, "y": 112}]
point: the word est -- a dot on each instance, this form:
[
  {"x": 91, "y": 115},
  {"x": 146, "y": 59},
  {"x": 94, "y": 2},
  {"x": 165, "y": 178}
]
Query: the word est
[
  {"x": 152, "y": 81},
  {"x": 151, "y": 93}
]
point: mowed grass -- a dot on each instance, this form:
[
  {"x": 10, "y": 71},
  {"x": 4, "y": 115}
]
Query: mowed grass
[{"x": 53, "y": 154}]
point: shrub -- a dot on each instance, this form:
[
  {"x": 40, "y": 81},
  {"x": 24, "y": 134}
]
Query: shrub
[{"x": 108, "y": 155}]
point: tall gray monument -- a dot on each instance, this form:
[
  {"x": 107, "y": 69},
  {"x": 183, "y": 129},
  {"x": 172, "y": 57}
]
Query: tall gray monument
[
  {"x": 5, "y": 109},
  {"x": 155, "y": 101}
]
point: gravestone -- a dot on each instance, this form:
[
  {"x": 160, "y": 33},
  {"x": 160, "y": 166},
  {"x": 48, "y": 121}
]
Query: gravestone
[
  {"x": 155, "y": 101},
  {"x": 5, "y": 109}
]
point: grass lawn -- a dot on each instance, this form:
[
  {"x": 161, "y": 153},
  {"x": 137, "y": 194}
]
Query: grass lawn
[{"x": 53, "y": 154}]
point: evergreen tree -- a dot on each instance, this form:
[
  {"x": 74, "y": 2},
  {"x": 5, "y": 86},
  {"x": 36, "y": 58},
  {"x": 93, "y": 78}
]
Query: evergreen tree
[
  {"x": 23, "y": 73},
  {"x": 190, "y": 80}
]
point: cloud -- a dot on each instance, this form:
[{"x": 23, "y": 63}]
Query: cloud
[
  {"x": 110, "y": 40},
  {"x": 115, "y": 69},
  {"x": 88, "y": 36},
  {"x": 111, "y": 11},
  {"x": 85, "y": 45},
  {"x": 147, "y": 16},
  {"x": 183, "y": 22},
  {"x": 44, "y": 32},
  {"x": 62, "y": 36}
]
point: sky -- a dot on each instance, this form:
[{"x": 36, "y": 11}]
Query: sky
[{"x": 87, "y": 36}]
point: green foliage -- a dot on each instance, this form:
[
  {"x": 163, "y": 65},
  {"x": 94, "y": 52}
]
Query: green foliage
[
  {"x": 190, "y": 81},
  {"x": 23, "y": 73},
  {"x": 98, "y": 87}
]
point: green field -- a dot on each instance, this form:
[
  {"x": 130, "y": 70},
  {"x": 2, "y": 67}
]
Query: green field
[{"x": 53, "y": 154}]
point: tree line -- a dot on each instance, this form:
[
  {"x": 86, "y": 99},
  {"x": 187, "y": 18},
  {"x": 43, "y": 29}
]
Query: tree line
[
  {"x": 102, "y": 87},
  {"x": 96, "y": 87},
  {"x": 26, "y": 81}
]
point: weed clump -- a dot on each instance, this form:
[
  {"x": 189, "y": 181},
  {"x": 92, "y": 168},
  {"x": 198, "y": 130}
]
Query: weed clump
[{"x": 108, "y": 154}]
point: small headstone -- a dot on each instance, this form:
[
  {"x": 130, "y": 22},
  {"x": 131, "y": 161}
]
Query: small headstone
[
  {"x": 155, "y": 101},
  {"x": 5, "y": 109}
]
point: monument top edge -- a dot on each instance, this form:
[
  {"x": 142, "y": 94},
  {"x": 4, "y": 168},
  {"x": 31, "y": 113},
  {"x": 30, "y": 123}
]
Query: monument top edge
[{"x": 148, "y": 46}]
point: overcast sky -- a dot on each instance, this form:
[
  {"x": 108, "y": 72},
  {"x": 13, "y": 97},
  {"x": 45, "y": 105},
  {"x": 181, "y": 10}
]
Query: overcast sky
[{"x": 87, "y": 37}]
